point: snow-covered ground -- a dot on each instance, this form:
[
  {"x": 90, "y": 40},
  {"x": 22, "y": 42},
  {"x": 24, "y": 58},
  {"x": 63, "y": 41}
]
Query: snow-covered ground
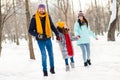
[{"x": 16, "y": 65}]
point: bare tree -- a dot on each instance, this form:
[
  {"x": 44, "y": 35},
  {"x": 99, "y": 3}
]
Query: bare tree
[
  {"x": 13, "y": 26},
  {"x": 118, "y": 24},
  {"x": 29, "y": 37},
  {"x": 0, "y": 29},
  {"x": 15, "y": 23},
  {"x": 58, "y": 3},
  {"x": 90, "y": 16},
  {"x": 118, "y": 21},
  {"x": 97, "y": 25},
  {"x": 47, "y": 6},
  {"x": 112, "y": 23},
  {"x": 103, "y": 15},
  {"x": 73, "y": 11},
  {"x": 49, "y": 13},
  {"x": 80, "y": 5},
  {"x": 64, "y": 5},
  {"x": 3, "y": 18}
]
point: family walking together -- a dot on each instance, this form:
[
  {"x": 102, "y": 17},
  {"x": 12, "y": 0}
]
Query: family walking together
[{"x": 41, "y": 27}]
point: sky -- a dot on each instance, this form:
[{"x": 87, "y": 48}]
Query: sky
[{"x": 84, "y": 3}]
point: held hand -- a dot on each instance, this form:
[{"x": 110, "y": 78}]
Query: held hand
[
  {"x": 96, "y": 38},
  {"x": 78, "y": 37},
  {"x": 58, "y": 38}
]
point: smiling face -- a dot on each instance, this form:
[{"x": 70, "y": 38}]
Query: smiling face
[
  {"x": 41, "y": 10},
  {"x": 81, "y": 18}
]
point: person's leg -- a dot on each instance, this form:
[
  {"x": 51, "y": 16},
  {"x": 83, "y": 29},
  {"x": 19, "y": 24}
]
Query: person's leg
[
  {"x": 72, "y": 59},
  {"x": 67, "y": 64},
  {"x": 83, "y": 52},
  {"x": 66, "y": 61},
  {"x": 72, "y": 62},
  {"x": 88, "y": 53},
  {"x": 88, "y": 50},
  {"x": 50, "y": 53},
  {"x": 41, "y": 45}
]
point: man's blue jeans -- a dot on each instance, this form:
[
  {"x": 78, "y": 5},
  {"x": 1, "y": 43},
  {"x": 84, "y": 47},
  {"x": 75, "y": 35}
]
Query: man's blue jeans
[
  {"x": 46, "y": 45},
  {"x": 85, "y": 51}
]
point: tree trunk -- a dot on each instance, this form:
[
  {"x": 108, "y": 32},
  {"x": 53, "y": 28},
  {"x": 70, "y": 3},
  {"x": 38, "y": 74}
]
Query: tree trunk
[
  {"x": 73, "y": 12},
  {"x": 111, "y": 32},
  {"x": 118, "y": 6},
  {"x": 58, "y": 3},
  {"x": 119, "y": 24},
  {"x": 80, "y": 5},
  {"x": 66, "y": 18},
  {"x": 15, "y": 24},
  {"x": 97, "y": 24},
  {"x": 47, "y": 6},
  {"x": 93, "y": 22},
  {"x": 0, "y": 29},
  {"x": 66, "y": 12},
  {"x": 103, "y": 21},
  {"x": 0, "y": 40},
  {"x": 29, "y": 37},
  {"x": 118, "y": 20},
  {"x": 49, "y": 13},
  {"x": 64, "y": 5}
]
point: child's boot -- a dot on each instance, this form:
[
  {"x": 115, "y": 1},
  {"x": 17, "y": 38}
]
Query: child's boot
[
  {"x": 72, "y": 65},
  {"x": 67, "y": 68}
]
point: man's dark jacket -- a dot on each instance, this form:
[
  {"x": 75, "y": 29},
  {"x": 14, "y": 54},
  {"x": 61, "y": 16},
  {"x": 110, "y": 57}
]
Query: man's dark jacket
[{"x": 33, "y": 31}]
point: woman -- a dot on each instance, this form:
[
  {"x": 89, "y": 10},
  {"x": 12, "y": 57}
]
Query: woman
[{"x": 83, "y": 32}]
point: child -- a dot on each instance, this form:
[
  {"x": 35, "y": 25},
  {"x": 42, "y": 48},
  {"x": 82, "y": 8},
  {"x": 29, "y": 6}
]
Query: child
[{"x": 65, "y": 45}]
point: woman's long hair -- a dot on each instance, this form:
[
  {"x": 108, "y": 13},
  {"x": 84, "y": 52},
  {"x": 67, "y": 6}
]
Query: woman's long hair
[{"x": 84, "y": 22}]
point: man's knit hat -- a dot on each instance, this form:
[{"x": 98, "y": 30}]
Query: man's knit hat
[{"x": 41, "y": 6}]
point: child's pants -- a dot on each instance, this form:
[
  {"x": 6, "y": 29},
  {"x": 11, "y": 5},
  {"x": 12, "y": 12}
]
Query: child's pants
[{"x": 71, "y": 59}]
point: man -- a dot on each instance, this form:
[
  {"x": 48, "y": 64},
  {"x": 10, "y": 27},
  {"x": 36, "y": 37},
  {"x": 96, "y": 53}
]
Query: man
[{"x": 41, "y": 26}]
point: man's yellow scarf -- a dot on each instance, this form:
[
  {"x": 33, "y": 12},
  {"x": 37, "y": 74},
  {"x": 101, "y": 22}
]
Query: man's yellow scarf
[{"x": 39, "y": 25}]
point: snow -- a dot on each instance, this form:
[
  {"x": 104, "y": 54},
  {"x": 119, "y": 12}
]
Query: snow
[
  {"x": 113, "y": 9},
  {"x": 16, "y": 65}
]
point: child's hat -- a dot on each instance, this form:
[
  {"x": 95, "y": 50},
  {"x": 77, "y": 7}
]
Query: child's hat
[{"x": 60, "y": 24}]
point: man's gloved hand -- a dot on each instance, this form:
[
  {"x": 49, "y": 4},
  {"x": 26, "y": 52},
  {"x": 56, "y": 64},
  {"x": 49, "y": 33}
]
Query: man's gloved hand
[
  {"x": 41, "y": 36},
  {"x": 58, "y": 38}
]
